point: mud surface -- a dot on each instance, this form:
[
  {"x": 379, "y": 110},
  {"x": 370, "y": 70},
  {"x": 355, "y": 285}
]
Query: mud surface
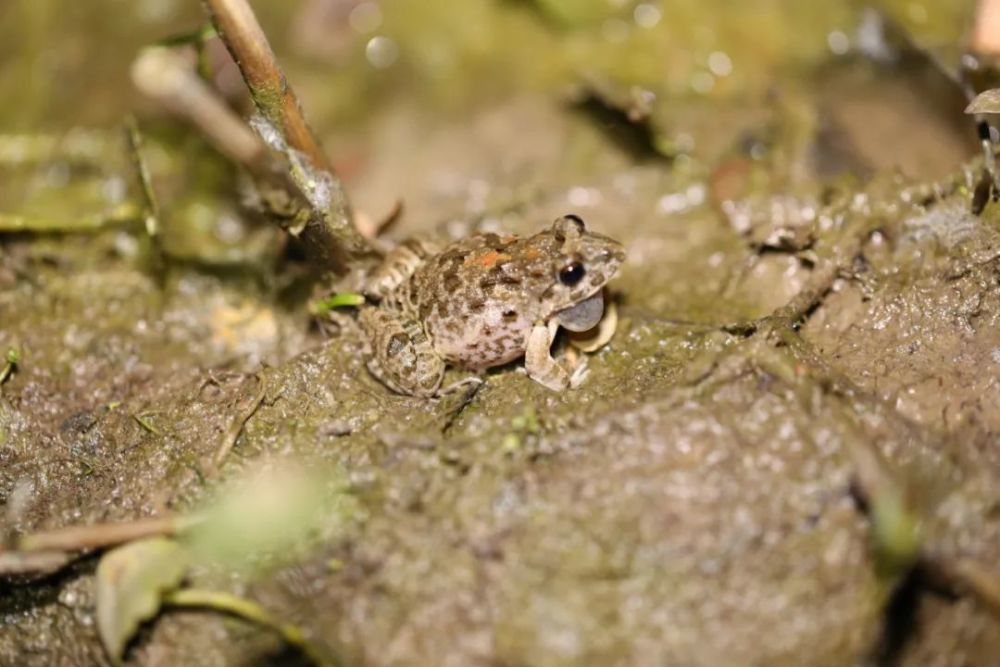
[{"x": 690, "y": 504}]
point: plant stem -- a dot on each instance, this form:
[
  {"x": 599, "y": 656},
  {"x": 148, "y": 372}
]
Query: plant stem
[
  {"x": 151, "y": 208},
  {"x": 253, "y": 612}
]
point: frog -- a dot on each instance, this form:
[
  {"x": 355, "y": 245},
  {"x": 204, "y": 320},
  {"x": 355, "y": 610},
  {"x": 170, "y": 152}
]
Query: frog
[{"x": 483, "y": 301}]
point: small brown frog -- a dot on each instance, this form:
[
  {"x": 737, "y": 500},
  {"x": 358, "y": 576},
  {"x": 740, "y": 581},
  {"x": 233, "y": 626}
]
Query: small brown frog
[{"x": 485, "y": 301}]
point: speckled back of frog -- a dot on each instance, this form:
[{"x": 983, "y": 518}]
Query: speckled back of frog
[
  {"x": 474, "y": 302},
  {"x": 479, "y": 298}
]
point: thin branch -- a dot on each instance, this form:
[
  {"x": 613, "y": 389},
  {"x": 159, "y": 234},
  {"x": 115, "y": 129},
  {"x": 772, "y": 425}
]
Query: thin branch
[
  {"x": 966, "y": 576},
  {"x": 101, "y": 535},
  {"x": 329, "y": 232},
  {"x": 167, "y": 77},
  {"x": 238, "y": 28},
  {"x": 232, "y": 434},
  {"x": 50, "y": 550}
]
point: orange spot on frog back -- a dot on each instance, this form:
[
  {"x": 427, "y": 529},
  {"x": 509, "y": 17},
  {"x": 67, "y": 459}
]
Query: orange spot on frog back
[{"x": 488, "y": 259}]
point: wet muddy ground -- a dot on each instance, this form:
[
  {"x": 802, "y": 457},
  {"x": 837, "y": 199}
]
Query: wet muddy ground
[{"x": 805, "y": 276}]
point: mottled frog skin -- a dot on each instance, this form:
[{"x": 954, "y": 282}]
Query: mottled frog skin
[{"x": 485, "y": 301}]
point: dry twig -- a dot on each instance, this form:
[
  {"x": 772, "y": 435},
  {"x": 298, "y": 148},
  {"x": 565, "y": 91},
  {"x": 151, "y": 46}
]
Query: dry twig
[
  {"x": 232, "y": 434},
  {"x": 99, "y": 535},
  {"x": 50, "y": 550},
  {"x": 169, "y": 78},
  {"x": 328, "y": 231}
]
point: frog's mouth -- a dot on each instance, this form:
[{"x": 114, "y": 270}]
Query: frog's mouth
[{"x": 584, "y": 315}]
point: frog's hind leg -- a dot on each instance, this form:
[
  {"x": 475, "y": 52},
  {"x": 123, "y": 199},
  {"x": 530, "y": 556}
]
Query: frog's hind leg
[
  {"x": 401, "y": 356},
  {"x": 399, "y": 264},
  {"x": 470, "y": 383}
]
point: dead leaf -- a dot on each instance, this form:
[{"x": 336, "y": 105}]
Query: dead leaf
[{"x": 131, "y": 581}]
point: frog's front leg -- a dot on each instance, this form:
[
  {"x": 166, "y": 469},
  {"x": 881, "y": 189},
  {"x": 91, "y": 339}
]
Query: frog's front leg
[
  {"x": 540, "y": 365},
  {"x": 400, "y": 355}
]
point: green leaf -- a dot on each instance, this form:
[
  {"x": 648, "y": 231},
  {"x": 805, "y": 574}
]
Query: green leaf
[
  {"x": 986, "y": 102},
  {"x": 131, "y": 581}
]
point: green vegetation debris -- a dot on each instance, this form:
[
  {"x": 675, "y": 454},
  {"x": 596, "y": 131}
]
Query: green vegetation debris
[
  {"x": 896, "y": 535},
  {"x": 526, "y": 421},
  {"x": 143, "y": 421},
  {"x": 11, "y": 359},
  {"x": 253, "y": 612},
  {"x": 339, "y": 300},
  {"x": 122, "y": 214},
  {"x": 511, "y": 442}
]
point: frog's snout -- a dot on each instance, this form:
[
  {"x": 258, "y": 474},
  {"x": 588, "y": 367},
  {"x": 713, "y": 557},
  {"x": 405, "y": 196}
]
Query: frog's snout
[{"x": 615, "y": 255}]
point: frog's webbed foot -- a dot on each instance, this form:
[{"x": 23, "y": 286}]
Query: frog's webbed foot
[
  {"x": 343, "y": 324},
  {"x": 579, "y": 374},
  {"x": 400, "y": 356},
  {"x": 472, "y": 382},
  {"x": 540, "y": 365}
]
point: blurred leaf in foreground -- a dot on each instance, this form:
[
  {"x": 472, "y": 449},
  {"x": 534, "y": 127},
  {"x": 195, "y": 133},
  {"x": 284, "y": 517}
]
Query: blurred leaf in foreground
[{"x": 269, "y": 514}]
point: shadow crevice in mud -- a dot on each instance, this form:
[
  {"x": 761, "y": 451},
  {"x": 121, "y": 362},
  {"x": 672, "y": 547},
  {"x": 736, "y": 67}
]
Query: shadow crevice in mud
[
  {"x": 900, "y": 622},
  {"x": 25, "y": 594}
]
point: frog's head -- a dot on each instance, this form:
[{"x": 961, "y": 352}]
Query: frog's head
[{"x": 582, "y": 264}]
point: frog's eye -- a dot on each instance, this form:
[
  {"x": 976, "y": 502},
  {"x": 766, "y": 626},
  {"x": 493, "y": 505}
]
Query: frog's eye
[{"x": 572, "y": 273}]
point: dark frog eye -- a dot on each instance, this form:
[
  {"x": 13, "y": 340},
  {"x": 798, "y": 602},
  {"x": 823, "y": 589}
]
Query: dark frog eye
[{"x": 572, "y": 273}]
